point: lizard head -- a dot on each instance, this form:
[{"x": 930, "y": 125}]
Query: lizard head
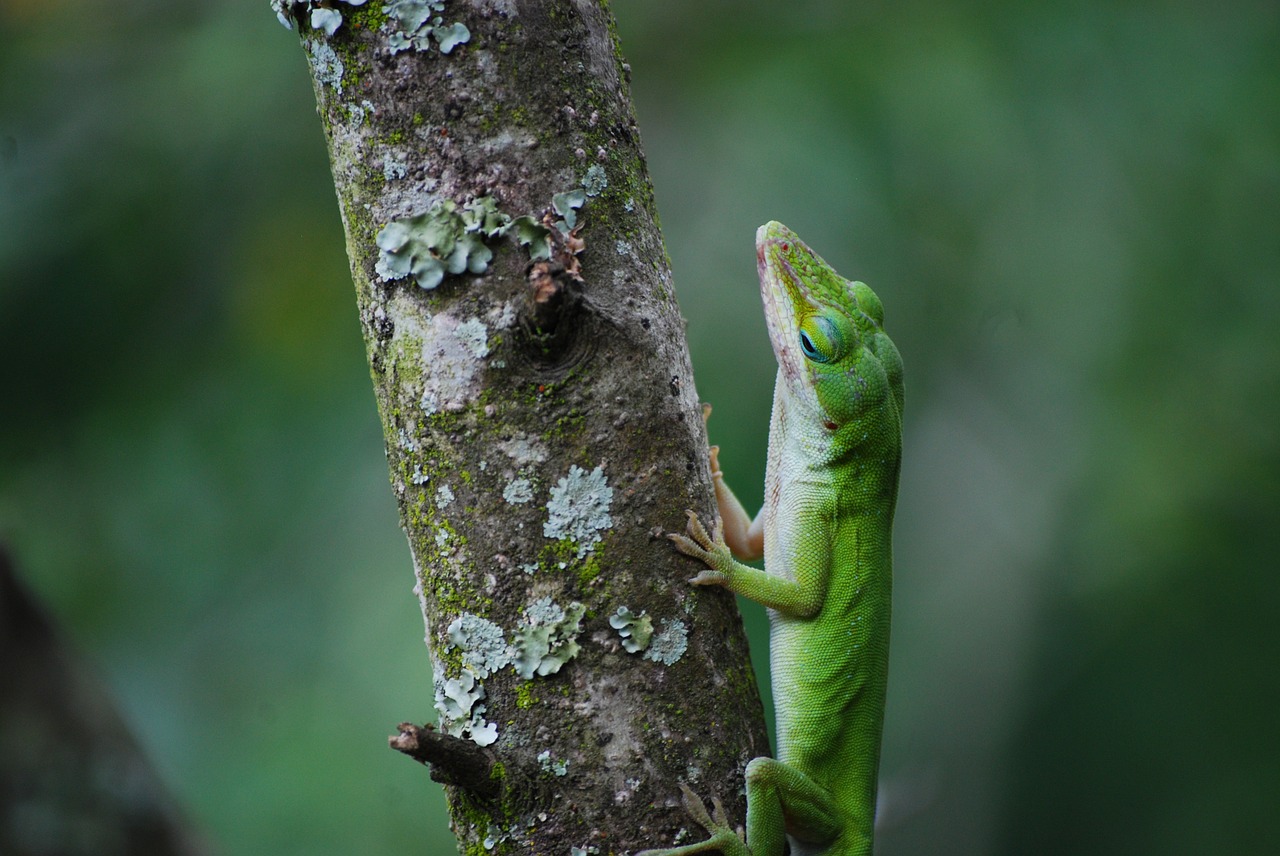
[{"x": 828, "y": 335}]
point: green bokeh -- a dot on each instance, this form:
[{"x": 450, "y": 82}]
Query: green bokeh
[{"x": 1069, "y": 210}]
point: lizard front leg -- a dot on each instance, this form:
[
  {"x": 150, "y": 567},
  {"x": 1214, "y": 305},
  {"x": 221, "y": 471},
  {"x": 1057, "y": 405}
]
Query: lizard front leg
[{"x": 801, "y": 597}]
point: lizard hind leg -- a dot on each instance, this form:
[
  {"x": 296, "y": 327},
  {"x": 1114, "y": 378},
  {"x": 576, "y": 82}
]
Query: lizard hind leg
[
  {"x": 781, "y": 800},
  {"x": 723, "y": 838}
]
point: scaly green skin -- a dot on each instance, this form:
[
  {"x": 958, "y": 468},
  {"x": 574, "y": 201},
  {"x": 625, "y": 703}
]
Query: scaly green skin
[{"x": 835, "y": 444}]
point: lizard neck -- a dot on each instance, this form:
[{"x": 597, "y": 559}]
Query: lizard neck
[{"x": 800, "y": 445}]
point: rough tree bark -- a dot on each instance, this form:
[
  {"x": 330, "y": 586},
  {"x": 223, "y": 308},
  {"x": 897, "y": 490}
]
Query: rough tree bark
[{"x": 541, "y": 422}]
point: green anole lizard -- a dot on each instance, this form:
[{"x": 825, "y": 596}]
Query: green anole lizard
[{"x": 835, "y": 444}]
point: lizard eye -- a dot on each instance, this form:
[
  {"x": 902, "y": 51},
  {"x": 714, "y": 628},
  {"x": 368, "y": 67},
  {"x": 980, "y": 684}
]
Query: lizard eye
[
  {"x": 820, "y": 340},
  {"x": 807, "y": 346}
]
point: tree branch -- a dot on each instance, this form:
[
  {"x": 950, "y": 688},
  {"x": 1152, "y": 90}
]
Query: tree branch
[
  {"x": 541, "y": 422},
  {"x": 453, "y": 761}
]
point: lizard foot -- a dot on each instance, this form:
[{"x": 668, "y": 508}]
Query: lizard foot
[
  {"x": 711, "y": 550},
  {"x": 723, "y": 837}
]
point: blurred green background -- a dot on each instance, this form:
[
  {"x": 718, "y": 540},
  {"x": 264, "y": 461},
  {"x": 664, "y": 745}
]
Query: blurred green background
[{"x": 1071, "y": 212}]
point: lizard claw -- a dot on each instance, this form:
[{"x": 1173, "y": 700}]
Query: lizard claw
[
  {"x": 715, "y": 822},
  {"x": 687, "y": 546},
  {"x": 710, "y": 543},
  {"x": 696, "y": 808},
  {"x": 714, "y": 454},
  {"x": 709, "y": 549},
  {"x": 718, "y": 813}
]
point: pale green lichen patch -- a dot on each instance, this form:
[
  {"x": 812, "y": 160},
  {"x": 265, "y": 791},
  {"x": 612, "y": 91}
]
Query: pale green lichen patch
[
  {"x": 565, "y": 204},
  {"x": 418, "y": 23},
  {"x": 669, "y": 645},
  {"x": 635, "y": 630},
  {"x": 326, "y": 66},
  {"x": 406, "y": 441},
  {"x": 518, "y": 491},
  {"x": 533, "y": 235},
  {"x": 320, "y": 14},
  {"x": 547, "y": 637},
  {"x": 457, "y": 697},
  {"x": 444, "y": 496},
  {"x": 556, "y": 768},
  {"x": 394, "y": 165},
  {"x": 579, "y": 509},
  {"x": 457, "y": 700},
  {"x": 544, "y": 612},
  {"x": 482, "y": 644},
  {"x": 595, "y": 181},
  {"x": 493, "y": 836},
  {"x": 357, "y": 112},
  {"x": 444, "y": 240}
]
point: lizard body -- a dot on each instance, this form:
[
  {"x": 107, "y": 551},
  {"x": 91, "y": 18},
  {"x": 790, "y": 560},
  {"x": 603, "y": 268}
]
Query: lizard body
[{"x": 824, "y": 530}]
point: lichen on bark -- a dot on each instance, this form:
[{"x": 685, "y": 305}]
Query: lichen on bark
[{"x": 503, "y": 392}]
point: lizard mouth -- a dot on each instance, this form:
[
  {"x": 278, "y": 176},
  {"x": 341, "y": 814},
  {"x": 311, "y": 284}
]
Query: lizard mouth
[{"x": 781, "y": 291}]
